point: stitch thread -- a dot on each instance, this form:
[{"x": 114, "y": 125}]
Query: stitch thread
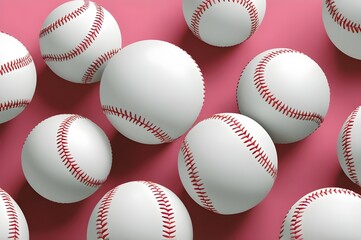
[
  {"x": 96, "y": 64},
  {"x": 11, "y": 104},
  {"x": 15, "y": 64},
  {"x": 85, "y": 44},
  {"x": 138, "y": 120},
  {"x": 68, "y": 159},
  {"x": 206, "y": 4},
  {"x": 340, "y": 19},
  {"x": 196, "y": 180},
  {"x": 346, "y": 146},
  {"x": 249, "y": 142},
  {"x": 64, "y": 19},
  {"x": 14, "y": 227},
  {"x": 166, "y": 210},
  {"x": 277, "y": 104}
]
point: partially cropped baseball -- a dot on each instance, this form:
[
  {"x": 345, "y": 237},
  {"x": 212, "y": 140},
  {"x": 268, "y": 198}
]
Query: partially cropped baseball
[
  {"x": 77, "y": 39},
  {"x": 327, "y": 213},
  {"x": 13, "y": 224},
  {"x": 223, "y": 23},
  {"x": 227, "y": 163},
  {"x": 286, "y": 92},
  {"x": 342, "y": 21},
  {"x": 66, "y": 158},
  {"x": 152, "y": 91},
  {"x": 17, "y": 77},
  {"x": 140, "y": 210},
  {"x": 349, "y": 146}
]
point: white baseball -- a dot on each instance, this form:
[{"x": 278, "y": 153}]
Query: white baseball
[
  {"x": 77, "y": 39},
  {"x": 349, "y": 146},
  {"x": 13, "y": 224},
  {"x": 140, "y": 210},
  {"x": 327, "y": 213},
  {"x": 17, "y": 77},
  {"x": 66, "y": 158},
  {"x": 223, "y": 23},
  {"x": 342, "y": 21},
  {"x": 286, "y": 92},
  {"x": 152, "y": 91},
  {"x": 227, "y": 163}
]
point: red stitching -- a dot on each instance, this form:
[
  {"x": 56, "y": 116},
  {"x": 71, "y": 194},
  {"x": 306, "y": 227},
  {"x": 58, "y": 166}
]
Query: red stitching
[
  {"x": 196, "y": 180},
  {"x": 15, "y": 64},
  {"x": 250, "y": 143},
  {"x": 102, "y": 215},
  {"x": 283, "y": 227},
  {"x": 64, "y": 19},
  {"x": 11, "y": 104},
  {"x": 96, "y": 64},
  {"x": 166, "y": 210},
  {"x": 85, "y": 44},
  {"x": 277, "y": 104},
  {"x": 346, "y": 146},
  {"x": 340, "y": 19},
  {"x": 206, "y": 4},
  {"x": 296, "y": 220},
  {"x": 68, "y": 159},
  {"x": 138, "y": 120},
  {"x": 14, "y": 227}
]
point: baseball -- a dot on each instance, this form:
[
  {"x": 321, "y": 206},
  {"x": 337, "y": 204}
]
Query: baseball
[
  {"x": 227, "y": 163},
  {"x": 349, "y": 146},
  {"x": 77, "y": 40},
  {"x": 152, "y": 91},
  {"x": 223, "y": 23},
  {"x": 286, "y": 92},
  {"x": 140, "y": 210},
  {"x": 342, "y": 21},
  {"x": 327, "y": 213},
  {"x": 13, "y": 223},
  {"x": 17, "y": 77},
  {"x": 66, "y": 158}
]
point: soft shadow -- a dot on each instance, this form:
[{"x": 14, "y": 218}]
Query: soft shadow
[
  {"x": 343, "y": 181},
  {"x": 347, "y": 65}
]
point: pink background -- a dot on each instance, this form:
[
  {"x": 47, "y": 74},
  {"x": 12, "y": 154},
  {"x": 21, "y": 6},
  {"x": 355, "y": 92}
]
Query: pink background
[{"x": 303, "y": 167}]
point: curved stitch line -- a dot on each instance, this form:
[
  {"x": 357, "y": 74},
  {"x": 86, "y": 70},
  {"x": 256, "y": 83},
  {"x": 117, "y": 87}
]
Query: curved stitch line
[
  {"x": 346, "y": 146},
  {"x": 64, "y": 19},
  {"x": 195, "y": 179},
  {"x": 296, "y": 220},
  {"x": 68, "y": 159},
  {"x": 340, "y": 19},
  {"x": 206, "y": 4},
  {"x": 138, "y": 120},
  {"x": 14, "y": 227},
  {"x": 85, "y": 44},
  {"x": 102, "y": 215},
  {"x": 11, "y": 104},
  {"x": 277, "y": 104},
  {"x": 166, "y": 211},
  {"x": 96, "y": 64},
  {"x": 15, "y": 64}
]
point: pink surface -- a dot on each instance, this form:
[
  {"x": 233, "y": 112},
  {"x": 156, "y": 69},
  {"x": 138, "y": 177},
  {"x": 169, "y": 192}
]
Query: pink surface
[{"x": 303, "y": 167}]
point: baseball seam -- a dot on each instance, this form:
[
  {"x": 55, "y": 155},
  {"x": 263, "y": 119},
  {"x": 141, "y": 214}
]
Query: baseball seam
[
  {"x": 166, "y": 210},
  {"x": 340, "y": 19},
  {"x": 195, "y": 179},
  {"x": 271, "y": 99},
  {"x": 346, "y": 146},
  {"x": 14, "y": 227},
  {"x": 198, "y": 13},
  {"x": 139, "y": 121},
  {"x": 96, "y": 64},
  {"x": 64, "y": 19},
  {"x": 249, "y": 141},
  {"x": 85, "y": 43},
  {"x": 102, "y": 215},
  {"x": 68, "y": 159},
  {"x": 15, "y": 64},
  {"x": 296, "y": 220},
  {"x": 11, "y": 104}
]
